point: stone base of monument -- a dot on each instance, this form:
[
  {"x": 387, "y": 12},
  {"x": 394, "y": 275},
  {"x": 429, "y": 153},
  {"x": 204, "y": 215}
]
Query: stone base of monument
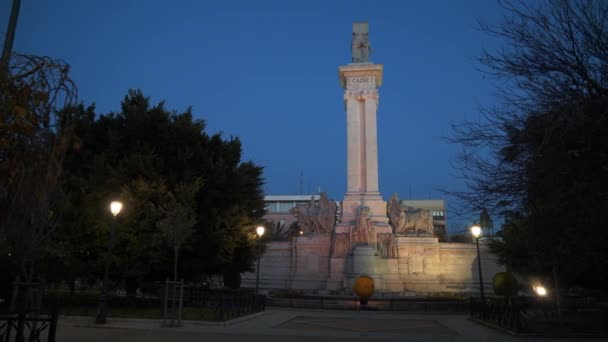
[
  {"x": 311, "y": 266},
  {"x": 423, "y": 267},
  {"x": 336, "y": 277}
]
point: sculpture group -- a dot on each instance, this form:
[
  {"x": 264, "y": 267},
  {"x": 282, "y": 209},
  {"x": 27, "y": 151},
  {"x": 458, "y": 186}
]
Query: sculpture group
[
  {"x": 316, "y": 216},
  {"x": 319, "y": 217}
]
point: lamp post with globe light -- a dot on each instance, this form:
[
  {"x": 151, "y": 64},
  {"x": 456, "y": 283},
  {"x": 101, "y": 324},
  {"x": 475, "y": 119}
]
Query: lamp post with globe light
[
  {"x": 102, "y": 314},
  {"x": 476, "y": 231},
  {"x": 259, "y": 231}
]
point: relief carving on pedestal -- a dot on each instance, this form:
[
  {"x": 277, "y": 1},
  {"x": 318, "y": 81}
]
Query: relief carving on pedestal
[
  {"x": 387, "y": 245},
  {"x": 341, "y": 245},
  {"x": 364, "y": 233}
]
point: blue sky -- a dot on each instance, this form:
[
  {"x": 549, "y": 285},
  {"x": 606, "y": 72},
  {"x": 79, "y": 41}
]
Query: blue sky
[{"x": 266, "y": 71}]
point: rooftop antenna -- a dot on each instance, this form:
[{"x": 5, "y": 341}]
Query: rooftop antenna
[{"x": 301, "y": 182}]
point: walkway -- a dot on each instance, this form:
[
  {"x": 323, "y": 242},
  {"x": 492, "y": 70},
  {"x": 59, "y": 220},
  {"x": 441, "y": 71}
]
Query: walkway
[{"x": 297, "y": 325}]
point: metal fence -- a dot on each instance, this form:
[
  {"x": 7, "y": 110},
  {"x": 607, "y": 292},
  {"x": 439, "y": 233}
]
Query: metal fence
[
  {"x": 222, "y": 304},
  {"x": 26, "y": 318},
  {"x": 507, "y": 315},
  {"x": 384, "y": 304},
  {"x": 28, "y": 327}
]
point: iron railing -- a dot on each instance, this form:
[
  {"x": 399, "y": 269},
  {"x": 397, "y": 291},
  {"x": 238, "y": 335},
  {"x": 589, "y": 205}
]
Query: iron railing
[
  {"x": 223, "y": 305},
  {"x": 507, "y": 315},
  {"x": 385, "y": 304}
]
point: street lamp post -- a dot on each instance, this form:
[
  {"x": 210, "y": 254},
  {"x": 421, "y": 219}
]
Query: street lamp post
[
  {"x": 476, "y": 231},
  {"x": 260, "y": 231},
  {"x": 102, "y": 314}
]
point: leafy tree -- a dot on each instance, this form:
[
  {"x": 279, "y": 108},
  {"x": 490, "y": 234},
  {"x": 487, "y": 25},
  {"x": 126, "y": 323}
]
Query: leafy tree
[
  {"x": 539, "y": 157},
  {"x": 505, "y": 284},
  {"x": 179, "y": 218},
  {"x": 154, "y": 160}
]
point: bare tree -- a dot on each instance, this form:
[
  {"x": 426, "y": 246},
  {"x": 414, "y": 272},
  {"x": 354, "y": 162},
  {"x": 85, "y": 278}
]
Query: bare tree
[
  {"x": 35, "y": 132},
  {"x": 538, "y": 156},
  {"x": 556, "y": 53}
]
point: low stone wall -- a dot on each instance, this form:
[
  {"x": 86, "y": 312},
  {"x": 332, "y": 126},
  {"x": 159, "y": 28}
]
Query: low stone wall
[{"x": 424, "y": 266}]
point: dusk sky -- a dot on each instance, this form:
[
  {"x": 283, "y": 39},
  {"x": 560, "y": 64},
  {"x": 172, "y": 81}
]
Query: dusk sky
[{"x": 267, "y": 72}]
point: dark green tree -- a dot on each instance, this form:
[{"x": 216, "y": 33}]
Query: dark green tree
[{"x": 144, "y": 155}]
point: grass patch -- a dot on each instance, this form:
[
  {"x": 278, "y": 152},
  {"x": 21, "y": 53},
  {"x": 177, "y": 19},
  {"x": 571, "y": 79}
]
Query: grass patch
[{"x": 188, "y": 313}]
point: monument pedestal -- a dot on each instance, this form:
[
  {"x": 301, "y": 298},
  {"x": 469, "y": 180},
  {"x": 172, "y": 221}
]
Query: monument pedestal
[
  {"x": 353, "y": 201},
  {"x": 312, "y": 267},
  {"x": 336, "y": 274}
]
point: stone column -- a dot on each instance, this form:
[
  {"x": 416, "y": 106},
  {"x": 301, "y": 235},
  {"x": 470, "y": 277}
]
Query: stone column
[
  {"x": 353, "y": 127},
  {"x": 371, "y": 141},
  {"x": 361, "y": 82}
]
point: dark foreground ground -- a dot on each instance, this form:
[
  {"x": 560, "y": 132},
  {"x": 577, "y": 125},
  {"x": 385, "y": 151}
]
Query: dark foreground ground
[{"x": 294, "y": 326}]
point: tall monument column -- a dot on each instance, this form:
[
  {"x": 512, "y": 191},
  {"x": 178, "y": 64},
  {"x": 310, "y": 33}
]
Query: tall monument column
[{"x": 361, "y": 80}]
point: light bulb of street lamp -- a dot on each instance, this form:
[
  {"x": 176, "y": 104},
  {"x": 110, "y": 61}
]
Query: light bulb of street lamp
[
  {"x": 301, "y": 232},
  {"x": 260, "y": 231},
  {"x": 540, "y": 290},
  {"x": 115, "y": 208},
  {"x": 476, "y": 231}
]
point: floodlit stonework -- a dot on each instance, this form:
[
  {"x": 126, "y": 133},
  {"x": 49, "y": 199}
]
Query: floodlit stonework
[{"x": 392, "y": 242}]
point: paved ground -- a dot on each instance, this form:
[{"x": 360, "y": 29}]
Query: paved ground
[{"x": 293, "y": 326}]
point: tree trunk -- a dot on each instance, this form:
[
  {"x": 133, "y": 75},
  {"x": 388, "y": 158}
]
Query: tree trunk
[
  {"x": 558, "y": 301},
  {"x": 176, "y": 254},
  {"x": 72, "y": 286}
]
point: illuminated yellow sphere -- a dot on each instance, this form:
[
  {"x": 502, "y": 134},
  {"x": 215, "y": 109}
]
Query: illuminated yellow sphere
[{"x": 364, "y": 287}]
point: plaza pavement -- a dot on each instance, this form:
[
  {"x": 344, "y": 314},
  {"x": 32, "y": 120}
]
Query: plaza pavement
[{"x": 291, "y": 325}]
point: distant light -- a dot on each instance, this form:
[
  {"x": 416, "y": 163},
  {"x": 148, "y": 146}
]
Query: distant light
[
  {"x": 476, "y": 231},
  {"x": 10, "y": 254},
  {"x": 260, "y": 231},
  {"x": 540, "y": 290},
  {"x": 115, "y": 208},
  {"x": 301, "y": 232}
]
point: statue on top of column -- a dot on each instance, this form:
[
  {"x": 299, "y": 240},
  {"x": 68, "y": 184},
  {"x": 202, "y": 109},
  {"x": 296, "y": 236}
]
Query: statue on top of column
[{"x": 360, "y": 45}]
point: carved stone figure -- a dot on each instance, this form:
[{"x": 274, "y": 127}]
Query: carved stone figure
[
  {"x": 364, "y": 233},
  {"x": 387, "y": 245},
  {"x": 414, "y": 221},
  {"x": 360, "y": 46},
  {"x": 326, "y": 213},
  {"x": 393, "y": 210},
  {"x": 316, "y": 216},
  {"x": 341, "y": 245}
]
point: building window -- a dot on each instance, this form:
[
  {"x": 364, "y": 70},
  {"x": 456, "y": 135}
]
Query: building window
[
  {"x": 284, "y": 207},
  {"x": 279, "y": 207},
  {"x": 438, "y": 215}
]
